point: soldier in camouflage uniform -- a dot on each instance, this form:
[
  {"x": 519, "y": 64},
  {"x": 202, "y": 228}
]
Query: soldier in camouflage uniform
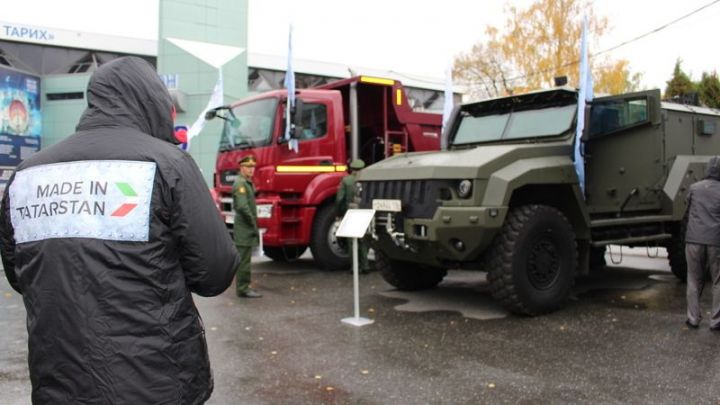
[
  {"x": 345, "y": 199},
  {"x": 245, "y": 227}
]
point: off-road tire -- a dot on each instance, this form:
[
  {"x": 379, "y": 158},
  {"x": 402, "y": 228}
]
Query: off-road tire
[
  {"x": 533, "y": 260},
  {"x": 408, "y": 276},
  {"x": 283, "y": 254},
  {"x": 326, "y": 249},
  {"x": 676, "y": 250}
]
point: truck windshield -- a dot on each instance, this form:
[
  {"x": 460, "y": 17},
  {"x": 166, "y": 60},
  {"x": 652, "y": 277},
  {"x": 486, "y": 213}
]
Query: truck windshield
[
  {"x": 249, "y": 125},
  {"x": 514, "y": 125}
]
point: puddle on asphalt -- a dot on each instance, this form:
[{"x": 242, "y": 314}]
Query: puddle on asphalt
[{"x": 468, "y": 292}]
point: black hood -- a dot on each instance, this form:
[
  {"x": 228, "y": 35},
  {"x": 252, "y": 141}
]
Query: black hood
[
  {"x": 127, "y": 92},
  {"x": 712, "y": 171}
]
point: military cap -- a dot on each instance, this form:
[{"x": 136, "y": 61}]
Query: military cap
[
  {"x": 357, "y": 164},
  {"x": 248, "y": 161}
]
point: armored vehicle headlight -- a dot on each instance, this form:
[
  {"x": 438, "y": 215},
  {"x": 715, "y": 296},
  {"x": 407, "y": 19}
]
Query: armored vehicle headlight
[{"x": 464, "y": 188}]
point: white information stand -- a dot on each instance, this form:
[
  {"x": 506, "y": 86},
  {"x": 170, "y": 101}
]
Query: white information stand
[{"x": 354, "y": 225}]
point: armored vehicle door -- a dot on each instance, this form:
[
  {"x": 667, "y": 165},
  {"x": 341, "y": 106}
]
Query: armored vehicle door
[{"x": 623, "y": 154}]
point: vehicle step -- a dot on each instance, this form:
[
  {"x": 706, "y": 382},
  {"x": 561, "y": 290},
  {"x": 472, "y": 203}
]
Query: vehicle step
[
  {"x": 632, "y": 220},
  {"x": 625, "y": 241}
]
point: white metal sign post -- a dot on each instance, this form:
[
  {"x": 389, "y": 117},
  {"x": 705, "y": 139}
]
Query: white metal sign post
[{"x": 354, "y": 225}]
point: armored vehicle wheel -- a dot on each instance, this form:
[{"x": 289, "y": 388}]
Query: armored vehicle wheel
[
  {"x": 532, "y": 261},
  {"x": 284, "y": 253},
  {"x": 676, "y": 251},
  {"x": 408, "y": 276},
  {"x": 327, "y": 250}
]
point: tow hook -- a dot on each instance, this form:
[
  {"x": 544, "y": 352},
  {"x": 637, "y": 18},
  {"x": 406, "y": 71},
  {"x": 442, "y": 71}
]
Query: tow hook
[{"x": 386, "y": 220}]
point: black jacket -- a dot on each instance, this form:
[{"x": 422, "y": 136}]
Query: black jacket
[
  {"x": 105, "y": 235},
  {"x": 703, "y": 226}
]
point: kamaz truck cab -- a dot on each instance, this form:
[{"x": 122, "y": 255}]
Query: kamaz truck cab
[{"x": 360, "y": 117}]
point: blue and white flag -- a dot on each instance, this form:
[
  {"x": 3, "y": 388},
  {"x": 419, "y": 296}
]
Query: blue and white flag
[
  {"x": 290, "y": 85},
  {"x": 585, "y": 95},
  {"x": 448, "y": 103}
]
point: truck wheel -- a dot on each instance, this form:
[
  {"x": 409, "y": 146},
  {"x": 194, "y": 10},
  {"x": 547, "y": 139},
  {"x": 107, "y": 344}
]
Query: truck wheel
[
  {"x": 408, "y": 276},
  {"x": 284, "y": 253},
  {"x": 676, "y": 251},
  {"x": 327, "y": 250},
  {"x": 532, "y": 261}
]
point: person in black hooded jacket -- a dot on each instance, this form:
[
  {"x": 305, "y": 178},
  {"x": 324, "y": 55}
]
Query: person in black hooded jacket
[
  {"x": 702, "y": 244},
  {"x": 105, "y": 235}
]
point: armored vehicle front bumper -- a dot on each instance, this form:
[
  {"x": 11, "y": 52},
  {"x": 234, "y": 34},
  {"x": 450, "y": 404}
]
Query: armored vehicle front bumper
[{"x": 452, "y": 235}]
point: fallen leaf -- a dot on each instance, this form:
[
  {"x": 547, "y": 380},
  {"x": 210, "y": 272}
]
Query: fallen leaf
[
  {"x": 364, "y": 372},
  {"x": 329, "y": 388},
  {"x": 248, "y": 327},
  {"x": 491, "y": 385},
  {"x": 318, "y": 377},
  {"x": 273, "y": 352},
  {"x": 261, "y": 338}
]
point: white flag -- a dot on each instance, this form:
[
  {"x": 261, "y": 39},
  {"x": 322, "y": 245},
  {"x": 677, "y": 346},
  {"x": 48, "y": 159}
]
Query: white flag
[{"x": 216, "y": 100}]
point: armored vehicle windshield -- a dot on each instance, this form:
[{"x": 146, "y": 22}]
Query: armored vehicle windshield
[{"x": 535, "y": 115}]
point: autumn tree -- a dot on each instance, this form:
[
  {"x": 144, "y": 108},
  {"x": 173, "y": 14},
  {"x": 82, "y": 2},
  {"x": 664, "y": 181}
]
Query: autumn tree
[
  {"x": 538, "y": 44},
  {"x": 709, "y": 89},
  {"x": 680, "y": 84}
]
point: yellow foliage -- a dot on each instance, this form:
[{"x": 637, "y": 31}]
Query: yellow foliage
[{"x": 538, "y": 44}]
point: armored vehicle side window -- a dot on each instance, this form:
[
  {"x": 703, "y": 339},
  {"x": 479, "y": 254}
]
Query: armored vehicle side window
[
  {"x": 314, "y": 121},
  {"x": 615, "y": 115}
]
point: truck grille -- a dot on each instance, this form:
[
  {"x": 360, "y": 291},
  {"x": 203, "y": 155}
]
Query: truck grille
[{"x": 420, "y": 198}]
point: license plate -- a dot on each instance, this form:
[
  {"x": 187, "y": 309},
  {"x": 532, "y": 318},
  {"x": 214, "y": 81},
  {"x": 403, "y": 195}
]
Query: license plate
[
  {"x": 264, "y": 211},
  {"x": 387, "y": 205}
]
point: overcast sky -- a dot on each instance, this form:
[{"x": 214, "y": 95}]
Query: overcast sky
[{"x": 413, "y": 37}]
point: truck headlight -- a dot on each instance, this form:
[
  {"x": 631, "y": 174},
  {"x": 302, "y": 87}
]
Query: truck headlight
[{"x": 464, "y": 188}]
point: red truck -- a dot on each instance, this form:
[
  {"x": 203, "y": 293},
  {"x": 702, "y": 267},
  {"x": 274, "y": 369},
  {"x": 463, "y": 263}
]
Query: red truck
[{"x": 360, "y": 117}]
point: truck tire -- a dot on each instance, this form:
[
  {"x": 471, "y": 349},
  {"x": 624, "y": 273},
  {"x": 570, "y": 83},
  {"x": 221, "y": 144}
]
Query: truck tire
[
  {"x": 327, "y": 250},
  {"x": 676, "y": 251},
  {"x": 284, "y": 254},
  {"x": 533, "y": 260},
  {"x": 408, "y": 276}
]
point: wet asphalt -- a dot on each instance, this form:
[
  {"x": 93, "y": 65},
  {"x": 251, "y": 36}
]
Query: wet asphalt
[{"x": 620, "y": 340}]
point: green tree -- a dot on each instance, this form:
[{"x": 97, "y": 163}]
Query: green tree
[
  {"x": 679, "y": 84},
  {"x": 538, "y": 44},
  {"x": 709, "y": 89}
]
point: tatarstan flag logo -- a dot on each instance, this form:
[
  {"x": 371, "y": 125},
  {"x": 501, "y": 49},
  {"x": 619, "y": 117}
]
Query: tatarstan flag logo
[{"x": 129, "y": 204}]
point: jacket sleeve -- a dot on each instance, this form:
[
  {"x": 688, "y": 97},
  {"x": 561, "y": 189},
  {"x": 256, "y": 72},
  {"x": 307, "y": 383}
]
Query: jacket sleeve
[
  {"x": 242, "y": 208},
  {"x": 340, "y": 203},
  {"x": 7, "y": 240},
  {"x": 207, "y": 255}
]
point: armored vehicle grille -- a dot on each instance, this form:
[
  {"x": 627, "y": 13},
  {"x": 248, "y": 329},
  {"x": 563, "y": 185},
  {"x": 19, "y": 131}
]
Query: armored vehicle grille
[{"x": 420, "y": 198}]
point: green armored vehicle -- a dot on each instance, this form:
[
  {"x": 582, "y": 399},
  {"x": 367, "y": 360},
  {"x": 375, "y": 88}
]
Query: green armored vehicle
[{"x": 504, "y": 197}]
